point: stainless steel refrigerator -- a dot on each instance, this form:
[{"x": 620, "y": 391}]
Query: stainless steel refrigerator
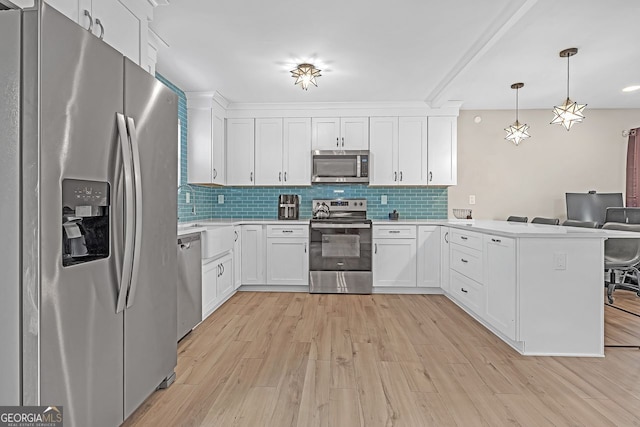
[{"x": 88, "y": 222}]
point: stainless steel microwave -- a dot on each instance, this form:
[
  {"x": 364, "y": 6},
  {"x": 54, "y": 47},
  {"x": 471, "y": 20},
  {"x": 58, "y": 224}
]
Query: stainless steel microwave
[{"x": 345, "y": 166}]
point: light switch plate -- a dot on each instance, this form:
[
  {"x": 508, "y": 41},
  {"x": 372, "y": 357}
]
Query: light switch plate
[
  {"x": 383, "y": 199},
  {"x": 560, "y": 261},
  {"x": 221, "y": 199},
  {"x": 472, "y": 199},
  {"x": 187, "y": 197}
]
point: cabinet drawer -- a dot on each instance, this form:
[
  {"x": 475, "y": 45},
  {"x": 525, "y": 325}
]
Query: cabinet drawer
[
  {"x": 468, "y": 292},
  {"x": 287, "y": 230},
  {"x": 467, "y": 261},
  {"x": 391, "y": 232},
  {"x": 467, "y": 238}
]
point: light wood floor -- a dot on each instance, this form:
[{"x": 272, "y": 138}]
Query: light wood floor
[{"x": 283, "y": 359}]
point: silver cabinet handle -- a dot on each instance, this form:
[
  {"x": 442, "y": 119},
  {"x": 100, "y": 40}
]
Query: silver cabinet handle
[
  {"x": 285, "y": 177},
  {"x": 218, "y": 267},
  {"x": 376, "y": 248},
  {"x": 496, "y": 240},
  {"x": 394, "y": 231},
  {"x": 129, "y": 213},
  {"x": 343, "y": 141},
  {"x": 251, "y": 177},
  {"x": 222, "y": 267},
  {"x": 395, "y": 176},
  {"x": 287, "y": 231},
  {"x": 280, "y": 176},
  {"x": 430, "y": 176},
  {"x": 137, "y": 243},
  {"x": 464, "y": 290},
  {"x": 236, "y": 233},
  {"x": 464, "y": 238},
  {"x": 215, "y": 173},
  {"x": 400, "y": 175},
  {"x": 305, "y": 247},
  {"x": 88, "y": 15},
  {"x": 101, "y": 36},
  {"x": 464, "y": 260},
  {"x": 337, "y": 142},
  {"x": 445, "y": 237}
]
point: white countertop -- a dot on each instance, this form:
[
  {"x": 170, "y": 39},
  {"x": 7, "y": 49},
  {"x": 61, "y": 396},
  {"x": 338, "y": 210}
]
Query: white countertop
[{"x": 500, "y": 228}]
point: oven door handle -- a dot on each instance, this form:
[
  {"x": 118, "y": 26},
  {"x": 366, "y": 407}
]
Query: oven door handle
[{"x": 336, "y": 225}]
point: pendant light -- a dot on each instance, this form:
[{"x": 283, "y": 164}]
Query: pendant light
[
  {"x": 517, "y": 132},
  {"x": 570, "y": 112}
]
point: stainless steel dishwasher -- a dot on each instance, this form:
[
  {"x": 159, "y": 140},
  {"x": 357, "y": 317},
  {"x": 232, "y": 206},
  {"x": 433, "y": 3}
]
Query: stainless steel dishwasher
[{"x": 189, "y": 283}]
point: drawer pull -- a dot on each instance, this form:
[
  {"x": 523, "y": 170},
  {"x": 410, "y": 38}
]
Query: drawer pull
[
  {"x": 394, "y": 231},
  {"x": 464, "y": 290},
  {"x": 464, "y": 238},
  {"x": 287, "y": 231},
  {"x": 496, "y": 240},
  {"x": 464, "y": 260}
]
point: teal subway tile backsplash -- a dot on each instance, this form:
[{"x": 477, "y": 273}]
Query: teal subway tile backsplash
[{"x": 262, "y": 202}]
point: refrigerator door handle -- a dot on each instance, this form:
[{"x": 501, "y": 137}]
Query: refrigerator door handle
[
  {"x": 137, "y": 243},
  {"x": 127, "y": 258}
]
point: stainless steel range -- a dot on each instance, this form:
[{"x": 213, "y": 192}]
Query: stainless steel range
[{"x": 340, "y": 247}]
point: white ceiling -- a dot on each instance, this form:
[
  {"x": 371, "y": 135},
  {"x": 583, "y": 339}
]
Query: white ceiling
[{"x": 404, "y": 50}]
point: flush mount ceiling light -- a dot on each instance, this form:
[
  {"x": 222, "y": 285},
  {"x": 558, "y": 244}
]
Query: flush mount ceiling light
[
  {"x": 570, "y": 112},
  {"x": 305, "y": 74},
  {"x": 517, "y": 132}
]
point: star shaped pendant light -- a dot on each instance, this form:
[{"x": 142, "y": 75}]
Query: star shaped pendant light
[
  {"x": 570, "y": 112},
  {"x": 305, "y": 74},
  {"x": 517, "y": 132}
]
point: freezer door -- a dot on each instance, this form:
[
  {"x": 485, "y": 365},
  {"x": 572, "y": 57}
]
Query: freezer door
[
  {"x": 150, "y": 318},
  {"x": 10, "y": 211},
  {"x": 81, "y": 336}
]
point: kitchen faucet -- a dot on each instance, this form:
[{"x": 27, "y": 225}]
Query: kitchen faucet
[{"x": 193, "y": 197}]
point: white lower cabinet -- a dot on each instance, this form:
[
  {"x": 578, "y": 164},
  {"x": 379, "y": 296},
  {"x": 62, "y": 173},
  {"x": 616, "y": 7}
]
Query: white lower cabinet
[
  {"x": 394, "y": 258},
  {"x": 252, "y": 249},
  {"x": 217, "y": 282},
  {"x": 429, "y": 256},
  {"x": 499, "y": 283},
  {"x": 237, "y": 257},
  {"x": 445, "y": 258},
  {"x": 468, "y": 292},
  {"x": 287, "y": 258}
]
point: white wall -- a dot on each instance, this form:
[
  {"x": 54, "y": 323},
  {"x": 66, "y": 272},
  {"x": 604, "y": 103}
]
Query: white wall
[{"x": 531, "y": 179}]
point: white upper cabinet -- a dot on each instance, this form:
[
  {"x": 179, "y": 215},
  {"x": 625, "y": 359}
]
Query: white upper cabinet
[
  {"x": 283, "y": 150},
  {"x": 442, "y": 151},
  {"x": 346, "y": 133},
  {"x": 122, "y": 24},
  {"x": 240, "y": 152},
  {"x": 205, "y": 147},
  {"x": 296, "y": 158},
  {"x": 398, "y": 150}
]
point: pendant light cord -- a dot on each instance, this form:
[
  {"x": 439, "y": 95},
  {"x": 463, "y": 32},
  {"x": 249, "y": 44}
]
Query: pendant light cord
[
  {"x": 517, "y": 91},
  {"x": 568, "y": 76}
]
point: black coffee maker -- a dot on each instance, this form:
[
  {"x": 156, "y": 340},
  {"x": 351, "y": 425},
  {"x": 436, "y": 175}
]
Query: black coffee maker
[{"x": 288, "y": 206}]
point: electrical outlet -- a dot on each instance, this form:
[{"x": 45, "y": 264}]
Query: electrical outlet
[
  {"x": 383, "y": 199},
  {"x": 187, "y": 198},
  {"x": 472, "y": 199},
  {"x": 560, "y": 261},
  {"x": 221, "y": 199}
]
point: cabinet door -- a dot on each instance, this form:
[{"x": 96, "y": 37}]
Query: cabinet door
[
  {"x": 269, "y": 152},
  {"x": 325, "y": 133},
  {"x": 210, "y": 272},
  {"x": 199, "y": 146},
  {"x": 429, "y": 257},
  {"x": 225, "y": 280},
  {"x": 287, "y": 261},
  {"x": 252, "y": 255},
  {"x": 394, "y": 262},
  {"x": 383, "y": 151},
  {"x": 122, "y": 29},
  {"x": 500, "y": 283},
  {"x": 445, "y": 275},
  {"x": 217, "y": 149},
  {"x": 72, "y": 9},
  {"x": 237, "y": 257},
  {"x": 442, "y": 151},
  {"x": 240, "y": 152},
  {"x": 297, "y": 152},
  {"x": 354, "y": 133},
  {"x": 412, "y": 149}
]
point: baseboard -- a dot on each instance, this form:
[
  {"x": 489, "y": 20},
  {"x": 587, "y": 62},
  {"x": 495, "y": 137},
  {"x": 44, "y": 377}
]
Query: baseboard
[
  {"x": 273, "y": 288},
  {"x": 406, "y": 291}
]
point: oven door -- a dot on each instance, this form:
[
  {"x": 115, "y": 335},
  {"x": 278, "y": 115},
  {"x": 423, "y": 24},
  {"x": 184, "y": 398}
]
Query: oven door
[{"x": 340, "y": 258}]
